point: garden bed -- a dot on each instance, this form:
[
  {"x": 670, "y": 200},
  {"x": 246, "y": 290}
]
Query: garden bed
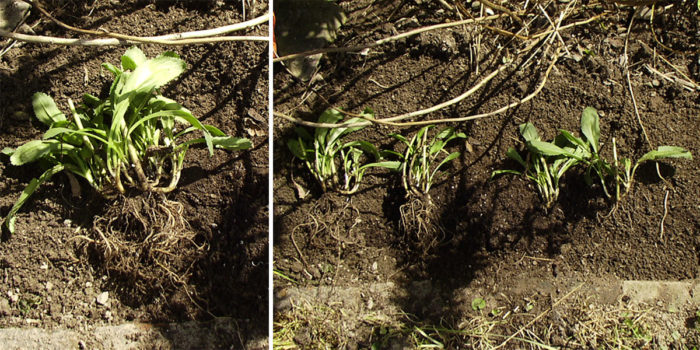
[
  {"x": 496, "y": 230},
  {"x": 48, "y": 282}
]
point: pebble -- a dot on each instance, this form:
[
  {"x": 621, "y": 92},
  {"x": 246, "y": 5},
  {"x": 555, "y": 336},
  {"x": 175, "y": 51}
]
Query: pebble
[
  {"x": 13, "y": 297},
  {"x": 297, "y": 267},
  {"x": 102, "y": 299},
  {"x": 655, "y": 83},
  {"x": 54, "y": 309},
  {"x": 5, "y": 309}
]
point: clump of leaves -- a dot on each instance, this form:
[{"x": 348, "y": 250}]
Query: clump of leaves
[
  {"x": 546, "y": 162},
  {"x": 135, "y": 138},
  {"x": 336, "y": 164},
  {"x": 621, "y": 171},
  {"x": 419, "y": 165}
]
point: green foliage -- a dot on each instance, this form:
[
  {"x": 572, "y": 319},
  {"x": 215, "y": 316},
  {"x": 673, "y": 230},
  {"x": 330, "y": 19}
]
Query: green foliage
[
  {"x": 334, "y": 163},
  {"x": 129, "y": 139},
  {"x": 423, "y": 158},
  {"x": 621, "y": 171},
  {"x": 478, "y": 304},
  {"x": 546, "y": 162}
]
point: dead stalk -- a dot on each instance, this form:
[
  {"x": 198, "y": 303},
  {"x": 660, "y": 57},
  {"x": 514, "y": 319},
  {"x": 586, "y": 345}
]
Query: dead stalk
[
  {"x": 394, "y": 120},
  {"x": 112, "y": 39}
]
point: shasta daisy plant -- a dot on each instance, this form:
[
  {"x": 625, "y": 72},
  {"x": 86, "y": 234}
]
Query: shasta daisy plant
[
  {"x": 335, "y": 163},
  {"x": 135, "y": 138}
]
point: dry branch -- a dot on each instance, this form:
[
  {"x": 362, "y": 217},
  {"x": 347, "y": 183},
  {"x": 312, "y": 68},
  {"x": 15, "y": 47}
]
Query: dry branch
[
  {"x": 112, "y": 39},
  {"x": 41, "y": 39},
  {"x": 395, "y": 120}
]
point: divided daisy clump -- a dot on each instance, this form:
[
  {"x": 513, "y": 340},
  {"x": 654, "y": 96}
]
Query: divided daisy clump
[
  {"x": 340, "y": 165},
  {"x": 547, "y": 162},
  {"x": 129, "y": 147}
]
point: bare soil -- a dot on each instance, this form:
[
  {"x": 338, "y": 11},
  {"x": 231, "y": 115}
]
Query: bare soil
[
  {"x": 49, "y": 283},
  {"x": 496, "y": 229}
]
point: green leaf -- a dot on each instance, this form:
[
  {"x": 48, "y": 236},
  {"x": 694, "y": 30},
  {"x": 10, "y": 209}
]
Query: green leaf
[
  {"x": 437, "y": 146},
  {"x": 391, "y": 165},
  {"x": 303, "y": 133},
  {"x": 8, "y": 151},
  {"x": 296, "y": 148},
  {"x": 514, "y": 155},
  {"x": 505, "y": 171},
  {"x": 478, "y": 304},
  {"x": 447, "y": 159},
  {"x": 231, "y": 143},
  {"x": 153, "y": 74},
  {"x": 110, "y": 67},
  {"x": 329, "y": 116},
  {"x": 529, "y": 132},
  {"x": 34, "y": 150},
  {"x": 445, "y": 133},
  {"x": 570, "y": 140},
  {"x": 400, "y": 138},
  {"x": 89, "y": 132},
  {"x": 365, "y": 146},
  {"x": 337, "y": 133},
  {"x": 590, "y": 127},
  {"x": 666, "y": 152},
  {"x": 132, "y": 58},
  {"x": 387, "y": 152},
  {"x": 547, "y": 149},
  {"x": 91, "y": 101},
  {"x": 45, "y": 109},
  {"x": 419, "y": 134},
  {"x": 189, "y": 118},
  {"x": 26, "y": 193},
  {"x": 228, "y": 143}
]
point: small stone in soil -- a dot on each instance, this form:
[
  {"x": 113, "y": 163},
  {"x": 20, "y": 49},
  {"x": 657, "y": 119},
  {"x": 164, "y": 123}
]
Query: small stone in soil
[
  {"x": 13, "y": 297},
  {"x": 102, "y": 298},
  {"x": 5, "y": 309},
  {"x": 54, "y": 309},
  {"x": 297, "y": 267},
  {"x": 315, "y": 272}
]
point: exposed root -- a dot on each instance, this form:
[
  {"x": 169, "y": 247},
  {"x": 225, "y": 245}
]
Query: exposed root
[
  {"x": 146, "y": 241},
  {"x": 337, "y": 220},
  {"x": 420, "y": 222}
]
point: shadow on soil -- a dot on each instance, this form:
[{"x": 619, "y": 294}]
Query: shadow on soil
[
  {"x": 476, "y": 231},
  {"x": 226, "y": 283}
]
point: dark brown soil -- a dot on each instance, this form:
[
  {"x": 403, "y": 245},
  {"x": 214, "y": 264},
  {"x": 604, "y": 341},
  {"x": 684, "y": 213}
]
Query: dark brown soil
[
  {"x": 496, "y": 229},
  {"x": 47, "y": 282}
]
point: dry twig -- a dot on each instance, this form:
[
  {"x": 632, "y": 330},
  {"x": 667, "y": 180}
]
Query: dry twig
[{"x": 186, "y": 38}]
